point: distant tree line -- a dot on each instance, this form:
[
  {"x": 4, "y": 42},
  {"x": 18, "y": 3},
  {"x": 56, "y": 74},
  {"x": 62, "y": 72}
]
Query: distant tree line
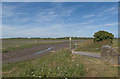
[{"x": 67, "y": 38}]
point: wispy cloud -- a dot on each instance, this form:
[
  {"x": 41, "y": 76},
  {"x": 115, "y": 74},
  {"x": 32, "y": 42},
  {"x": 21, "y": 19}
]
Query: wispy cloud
[
  {"x": 46, "y": 31},
  {"x": 103, "y": 12},
  {"x": 101, "y": 26},
  {"x": 55, "y": 20},
  {"x": 38, "y": 16},
  {"x": 111, "y": 24},
  {"x": 45, "y": 16},
  {"x": 55, "y": 30},
  {"x": 14, "y": 10},
  {"x": 65, "y": 11},
  {"x": 8, "y": 11},
  {"x": 88, "y": 16},
  {"x": 89, "y": 21},
  {"x": 109, "y": 11}
]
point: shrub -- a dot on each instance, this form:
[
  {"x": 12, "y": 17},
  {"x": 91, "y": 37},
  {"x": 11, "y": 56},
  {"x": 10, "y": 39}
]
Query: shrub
[{"x": 103, "y": 36}]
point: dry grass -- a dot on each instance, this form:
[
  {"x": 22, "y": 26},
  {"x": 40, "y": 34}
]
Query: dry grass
[{"x": 96, "y": 67}]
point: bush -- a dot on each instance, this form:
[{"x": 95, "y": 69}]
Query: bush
[{"x": 103, "y": 36}]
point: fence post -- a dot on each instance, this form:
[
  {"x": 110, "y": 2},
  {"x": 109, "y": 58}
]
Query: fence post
[{"x": 70, "y": 44}]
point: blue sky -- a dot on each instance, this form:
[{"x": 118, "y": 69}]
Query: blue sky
[{"x": 58, "y": 19}]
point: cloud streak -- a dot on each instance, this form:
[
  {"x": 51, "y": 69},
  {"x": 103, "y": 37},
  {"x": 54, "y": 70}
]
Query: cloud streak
[
  {"x": 103, "y": 12},
  {"x": 88, "y": 16},
  {"x": 56, "y": 20}
]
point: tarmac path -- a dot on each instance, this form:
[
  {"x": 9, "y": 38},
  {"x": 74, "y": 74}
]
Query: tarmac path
[{"x": 94, "y": 55}]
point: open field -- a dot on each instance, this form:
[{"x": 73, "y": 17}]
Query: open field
[
  {"x": 9, "y": 45},
  {"x": 27, "y": 49},
  {"x": 57, "y": 62},
  {"x": 60, "y": 63},
  {"x": 91, "y": 46},
  {"x": 15, "y": 44}
]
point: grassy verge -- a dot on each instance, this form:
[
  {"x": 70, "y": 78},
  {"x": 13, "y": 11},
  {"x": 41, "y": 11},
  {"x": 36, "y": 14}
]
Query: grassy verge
[
  {"x": 60, "y": 64},
  {"x": 91, "y": 46}
]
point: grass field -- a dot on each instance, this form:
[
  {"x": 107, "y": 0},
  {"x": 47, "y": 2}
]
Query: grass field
[
  {"x": 60, "y": 63},
  {"x": 15, "y": 44},
  {"x": 91, "y": 46}
]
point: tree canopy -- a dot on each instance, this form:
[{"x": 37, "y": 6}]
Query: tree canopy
[{"x": 103, "y": 35}]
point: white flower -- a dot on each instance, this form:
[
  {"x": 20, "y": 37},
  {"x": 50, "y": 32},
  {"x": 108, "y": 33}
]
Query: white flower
[
  {"x": 58, "y": 68},
  {"x": 39, "y": 76},
  {"x": 33, "y": 75},
  {"x": 77, "y": 64}
]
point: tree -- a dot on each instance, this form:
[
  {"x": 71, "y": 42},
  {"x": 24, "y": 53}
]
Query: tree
[{"x": 103, "y": 35}]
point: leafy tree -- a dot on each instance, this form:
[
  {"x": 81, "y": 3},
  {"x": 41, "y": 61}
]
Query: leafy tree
[{"x": 103, "y": 35}]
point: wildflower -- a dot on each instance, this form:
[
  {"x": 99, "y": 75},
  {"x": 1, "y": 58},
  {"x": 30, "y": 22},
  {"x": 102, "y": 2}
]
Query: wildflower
[
  {"x": 39, "y": 76},
  {"x": 97, "y": 48},
  {"x": 58, "y": 68},
  {"x": 77, "y": 64},
  {"x": 50, "y": 69},
  {"x": 33, "y": 75}
]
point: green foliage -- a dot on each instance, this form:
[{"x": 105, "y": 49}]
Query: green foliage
[
  {"x": 91, "y": 46},
  {"x": 56, "y": 64},
  {"x": 103, "y": 35}
]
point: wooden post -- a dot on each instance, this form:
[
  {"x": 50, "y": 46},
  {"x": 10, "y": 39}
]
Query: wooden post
[
  {"x": 35, "y": 41},
  {"x": 70, "y": 44}
]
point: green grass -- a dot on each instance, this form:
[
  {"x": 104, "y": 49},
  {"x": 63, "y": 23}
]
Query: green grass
[
  {"x": 52, "y": 65},
  {"x": 115, "y": 43},
  {"x": 60, "y": 64},
  {"x": 91, "y": 46},
  {"x": 16, "y": 44}
]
